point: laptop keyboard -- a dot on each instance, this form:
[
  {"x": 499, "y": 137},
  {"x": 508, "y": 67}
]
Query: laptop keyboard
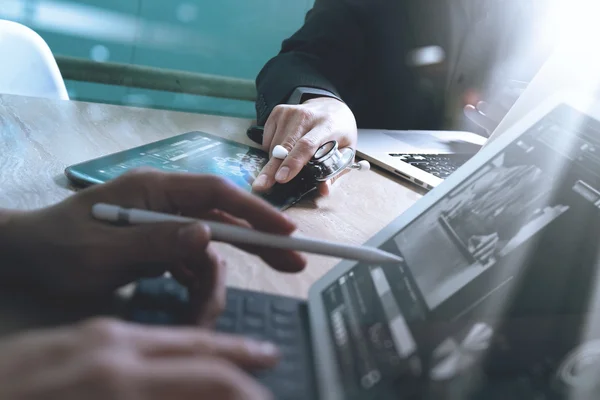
[
  {"x": 440, "y": 165},
  {"x": 282, "y": 320}
]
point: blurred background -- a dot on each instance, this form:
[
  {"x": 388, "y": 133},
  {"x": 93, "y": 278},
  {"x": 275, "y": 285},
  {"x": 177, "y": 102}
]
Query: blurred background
[{"x": 218, "y": 48}]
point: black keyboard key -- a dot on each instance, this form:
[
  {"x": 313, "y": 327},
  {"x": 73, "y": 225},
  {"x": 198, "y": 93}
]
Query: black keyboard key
[
  {"x": 285, "y": 389},
  {"x": 258, "y": 336},
  {"x": 253, "y": 323},
  {"x": 152, "y": 317},
  {"x": 159, "y": 292},
  {"x": 289, "y": 386},
  {"x": 233, "y": 302},
  {"x": 226, "y": 323},
  {"x": 174, "y": 291},
  {"x": 294, "y": 396},
  {"x": 289, "y": 353},
  {"x": 285, "y": 321},
  {"x": 284, "y": 335},
  {"x": 255, "y": 305},
  {"x": 286, "y": 367},
  {"x": 164, "y": 318},
  {"x": 142, "y": 317},
  {"x": 279, "y": 320},
  {"x": 254, "y": 315},
  {"x": 440, "y": 165},
  {"x": 158, "y": 301},
  {"x": 285, "y": 306}
]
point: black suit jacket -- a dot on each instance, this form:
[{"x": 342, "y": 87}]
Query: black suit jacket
[{"x": 358, "y": 50}]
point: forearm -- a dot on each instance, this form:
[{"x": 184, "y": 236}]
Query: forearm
[
  {"x": 325, "y": 53},
  {"x": 281, "y": 76}
]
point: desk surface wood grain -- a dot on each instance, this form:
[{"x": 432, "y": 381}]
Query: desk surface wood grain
[{"x": 39, "y": 138}]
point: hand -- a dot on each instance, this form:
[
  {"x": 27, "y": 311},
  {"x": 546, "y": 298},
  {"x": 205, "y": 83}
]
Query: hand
[
  {"x": 489, "y": 114},
  {"x": 108, "y": 359},
  {"x": 302, "y": 129},
  {"x": 63, "y": 249}
]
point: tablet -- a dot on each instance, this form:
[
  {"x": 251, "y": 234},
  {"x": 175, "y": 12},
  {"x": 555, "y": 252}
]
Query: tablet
[{"x": 198, "y": 153}]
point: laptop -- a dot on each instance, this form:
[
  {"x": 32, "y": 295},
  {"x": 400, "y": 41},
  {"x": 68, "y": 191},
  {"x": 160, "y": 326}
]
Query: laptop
[
  {"x": 495, "y": 297},
  {"x": 424, "y": 158}
]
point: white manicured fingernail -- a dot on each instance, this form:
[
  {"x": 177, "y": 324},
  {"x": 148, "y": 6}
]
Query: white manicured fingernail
[{"x": 280, "y": 152}]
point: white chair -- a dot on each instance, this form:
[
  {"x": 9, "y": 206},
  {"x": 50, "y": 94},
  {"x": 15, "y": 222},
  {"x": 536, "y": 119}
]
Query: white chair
[{"x": 28, "y": 67}]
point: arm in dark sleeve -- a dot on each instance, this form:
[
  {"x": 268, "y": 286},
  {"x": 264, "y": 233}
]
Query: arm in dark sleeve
[
  {"x": 325, "y": 53},
  {"x": 12, "y": 247}
]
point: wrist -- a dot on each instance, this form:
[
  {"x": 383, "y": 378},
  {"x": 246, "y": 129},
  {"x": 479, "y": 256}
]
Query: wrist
[
  {"x": 322, "y": 100},
  {"x": 302, "y": 94}
]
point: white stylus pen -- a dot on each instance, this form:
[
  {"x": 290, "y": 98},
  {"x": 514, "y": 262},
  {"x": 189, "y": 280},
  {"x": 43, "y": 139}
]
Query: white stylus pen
[{"x": 235, "y": 234}]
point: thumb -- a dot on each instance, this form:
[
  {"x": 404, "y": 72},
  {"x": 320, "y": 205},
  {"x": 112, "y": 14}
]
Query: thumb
[
  {"x": 191, "y": 250},
  {"x": 192, "y": 239}
]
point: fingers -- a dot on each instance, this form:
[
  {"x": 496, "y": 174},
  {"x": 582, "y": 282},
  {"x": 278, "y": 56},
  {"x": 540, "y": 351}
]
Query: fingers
[
  {"x": 108, "y": 358},
  {"x": 204, "y": 273},
  {"x": 41, "y": 348},
  {"x": 169, "y": 363},
  {"x": 161, "y": 243},
  {"x": 489, "y": 114},
  {"x": 270, "y": 128},
  {"x": 324, "y": 188},
  {"x": 302, "y": 150},
  {"x": 495, "y": 113},
  {"x": 229, "y": 198},
  {"x": 193, "y": 195},
  {"x": 157, "y": 342},
  {"x": 184, "y": 249},
  {"x": 292, "y": 123},
  {"x": 282, "y": 260},
  {"x": 512, "y": 93},
  {"x": 266, "y": 177},
  {"x": 301, "y": 130},
  {"x": 208, "y": 378},
  {"x": 150, "y": 341},
  {"x": 480, "y": 119}
]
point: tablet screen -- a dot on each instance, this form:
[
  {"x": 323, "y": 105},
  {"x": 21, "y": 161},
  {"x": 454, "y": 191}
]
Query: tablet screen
[
  {"x": 198, "y": 153},
  {"x": 501, "y": 272}
]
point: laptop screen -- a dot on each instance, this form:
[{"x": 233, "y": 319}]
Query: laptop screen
[{"x": 516, "y": 241}]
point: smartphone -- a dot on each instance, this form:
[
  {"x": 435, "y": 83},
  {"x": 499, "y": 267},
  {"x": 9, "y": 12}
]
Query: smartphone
[{"x": 197, "y": 153}]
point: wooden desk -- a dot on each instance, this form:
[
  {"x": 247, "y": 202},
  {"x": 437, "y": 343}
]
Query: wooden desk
[{"x": 39, "y": 138}]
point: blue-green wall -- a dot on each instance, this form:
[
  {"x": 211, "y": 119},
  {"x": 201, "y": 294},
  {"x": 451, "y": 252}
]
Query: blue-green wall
[{"x": 223, "y": 37}]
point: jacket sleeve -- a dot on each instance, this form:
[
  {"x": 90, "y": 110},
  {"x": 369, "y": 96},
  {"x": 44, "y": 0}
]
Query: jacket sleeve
[{"x": 325, "y": 53}]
